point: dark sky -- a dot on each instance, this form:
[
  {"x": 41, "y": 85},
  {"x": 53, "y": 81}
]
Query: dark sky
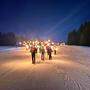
[{"x": 43, "y": 18}]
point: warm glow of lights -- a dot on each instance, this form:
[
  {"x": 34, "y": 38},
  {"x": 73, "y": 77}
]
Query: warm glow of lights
[
  {"x": 19, "y": 65},
  {"x": 49, "y": 40},
  {"x": 20, "y": 43},
  {"x": 27, "y": 47},
  {"x": 48, "y": 44},
  {"x": 52, "y": 43}
]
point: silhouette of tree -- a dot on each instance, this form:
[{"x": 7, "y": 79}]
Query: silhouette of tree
[
  {"x": 73, "y": 38},
  {"x": 80, "y": 36},
  {"x": 7, "y": 38},
  {"x": 10, "y": 39}
]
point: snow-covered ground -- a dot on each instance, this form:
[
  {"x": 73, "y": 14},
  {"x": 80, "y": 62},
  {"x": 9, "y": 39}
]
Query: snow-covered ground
[
  {"x": 69, "y": 70},
  {"x": 8, "y": 48}
]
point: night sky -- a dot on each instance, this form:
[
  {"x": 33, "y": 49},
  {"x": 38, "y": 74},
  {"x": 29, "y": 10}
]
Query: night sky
[{"x": 45, "y": 19}]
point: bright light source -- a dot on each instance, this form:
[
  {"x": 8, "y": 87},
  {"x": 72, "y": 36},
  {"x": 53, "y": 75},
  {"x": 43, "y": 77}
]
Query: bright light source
[
  {"x": 27, "y": 47},
  {"x": 20, "y": 43},
  {"x": 49, "y": 40}
]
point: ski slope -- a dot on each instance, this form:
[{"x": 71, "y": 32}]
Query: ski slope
[{"x": 68, "y": 70}]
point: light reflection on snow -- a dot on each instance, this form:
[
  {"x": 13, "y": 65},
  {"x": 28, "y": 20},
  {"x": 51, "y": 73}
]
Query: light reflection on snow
[{"x": 18, "y": 65}]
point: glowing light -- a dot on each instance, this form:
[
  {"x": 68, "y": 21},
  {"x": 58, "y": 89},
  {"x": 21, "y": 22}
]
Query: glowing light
[
  {"x": 19, "y": 65},
  {"x": 52, "y": 43},
  {"x": 27, "y": 47},
  {"x": 49, "y": 40},
  {"x": 20, "y": 43},
  {"x": 48, "y": 44}
]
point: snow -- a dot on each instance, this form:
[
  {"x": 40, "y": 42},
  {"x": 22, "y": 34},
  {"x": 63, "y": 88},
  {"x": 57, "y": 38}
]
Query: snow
[
  {"x": 8, "y": 48},
  {"x": 69, "y": 70}
]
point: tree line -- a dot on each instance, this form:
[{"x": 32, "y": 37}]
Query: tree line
[
  {"x": 10, "y": 39},
  {"x": 80, "y": 36}
]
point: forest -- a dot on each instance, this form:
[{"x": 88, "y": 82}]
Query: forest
[{"x": 81, "y": 36}]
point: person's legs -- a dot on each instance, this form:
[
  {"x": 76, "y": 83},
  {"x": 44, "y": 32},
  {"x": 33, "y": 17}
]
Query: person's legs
[
  {"x": 50, "y": 56},
  {"x": 54, "y": 52},
  {"x": 34, "y": 58},
  {"x": 42, "y": 56}
]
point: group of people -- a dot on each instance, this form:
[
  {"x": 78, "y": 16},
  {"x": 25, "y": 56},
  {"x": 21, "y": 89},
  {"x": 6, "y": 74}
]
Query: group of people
[
  {"x": 34, "y": 50},
  {"x": 42, "y": 48}
]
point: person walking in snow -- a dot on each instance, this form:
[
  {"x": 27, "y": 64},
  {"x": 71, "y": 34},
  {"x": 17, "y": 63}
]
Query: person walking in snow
[
  {"x": 49, "y": 51},
  {"x": 33, "y": 52},
  {"x": 42, "y": 52}
]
